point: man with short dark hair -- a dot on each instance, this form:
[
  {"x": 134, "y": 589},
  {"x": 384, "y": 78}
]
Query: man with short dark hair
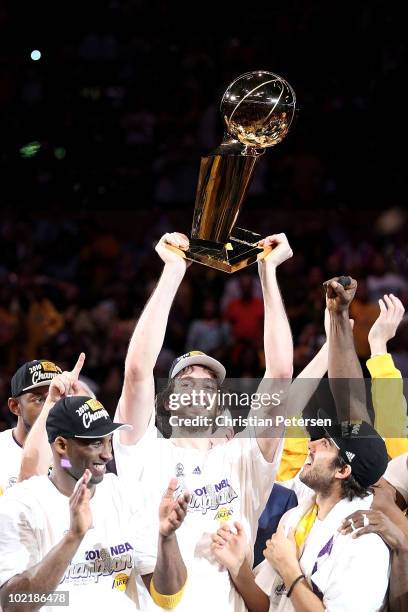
[
  {"x": 30, "y": 386},
  {"x": 29, "y": 389},
  {"x": 78, "y": 530}
]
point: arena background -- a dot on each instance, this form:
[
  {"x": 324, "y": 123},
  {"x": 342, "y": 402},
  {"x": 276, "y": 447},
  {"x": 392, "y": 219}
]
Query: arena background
[{"x": 99, "y": 155}]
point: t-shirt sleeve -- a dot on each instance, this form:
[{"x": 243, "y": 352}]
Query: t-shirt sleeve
[
  {"x": 397, "y": 475},
  {"x": 131, "y": 459},
  {"x": 389, "y": 403},
  {"x": 266, "y": 577},
  {"x": 256, "y": 475},
  {"x": 18, "y": 542}
]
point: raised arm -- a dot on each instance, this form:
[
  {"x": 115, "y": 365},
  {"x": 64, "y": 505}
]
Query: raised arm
[
  {"x": 345, "y": 373},
  {"x": 136, "y": 403},
  {"x": 37, "y": 456},
  {"x": 278, "y": 342},
  {"x": 387, "y": 387}
]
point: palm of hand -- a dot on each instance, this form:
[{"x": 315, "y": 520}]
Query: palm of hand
[
  {"x": 382, "y": 329},
  {"x": 81, "y": 516},
  {"x": 166, "y": 516},
  {"x": 232, "y": 553}
]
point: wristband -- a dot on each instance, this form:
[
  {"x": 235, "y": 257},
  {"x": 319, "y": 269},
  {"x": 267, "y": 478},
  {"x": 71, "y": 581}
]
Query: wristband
[
  {"x": 294, "y": 583},
  {"x": 168, "y": 602}
]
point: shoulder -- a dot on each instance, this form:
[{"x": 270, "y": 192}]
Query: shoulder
[
  {"x": 396, "y": 474},
  {"x": 29, "y": 489},
  {"x": 369, "y": 549},
  {"x": 6, "y": 437},
  {"x": 26, "y": 499}
]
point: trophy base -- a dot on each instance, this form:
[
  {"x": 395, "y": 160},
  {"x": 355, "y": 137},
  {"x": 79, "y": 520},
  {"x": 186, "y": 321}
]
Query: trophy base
[{"x": 241, "y": 251}]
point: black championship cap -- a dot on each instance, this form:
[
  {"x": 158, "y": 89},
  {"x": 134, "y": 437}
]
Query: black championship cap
[
  {"x": 33, "y": 374},
  {"x": 359, "y": 445},
  {"x": 80, "y": 417}
]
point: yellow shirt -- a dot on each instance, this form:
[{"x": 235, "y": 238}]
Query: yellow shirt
[
  {"x": 390, "y": 417},
  {"x": 389, "y": 403}
]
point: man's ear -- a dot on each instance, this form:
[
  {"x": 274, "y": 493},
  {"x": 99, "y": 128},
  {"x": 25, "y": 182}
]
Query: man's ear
[
  {"x": 14, "y": 406},
  {"x": 60, "y": 444},
  {"x": 343, "y": 472}
]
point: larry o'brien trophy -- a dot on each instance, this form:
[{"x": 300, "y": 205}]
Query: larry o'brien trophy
[{"x": 257, "y": 110}]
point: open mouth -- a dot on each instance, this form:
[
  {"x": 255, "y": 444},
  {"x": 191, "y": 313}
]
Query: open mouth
[{"x": 308, "y": 461}]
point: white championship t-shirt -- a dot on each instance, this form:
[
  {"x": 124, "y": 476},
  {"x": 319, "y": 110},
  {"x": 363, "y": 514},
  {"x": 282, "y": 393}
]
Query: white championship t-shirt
[
  {"x": 350, "y": 574},
  {"x": 231, "y": 482},
  {"x": 10, "y": 460},
  {"x": 34, "y": 516}
]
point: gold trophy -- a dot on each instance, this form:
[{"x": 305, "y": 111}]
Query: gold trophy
[{"x": 257, "y": 109}]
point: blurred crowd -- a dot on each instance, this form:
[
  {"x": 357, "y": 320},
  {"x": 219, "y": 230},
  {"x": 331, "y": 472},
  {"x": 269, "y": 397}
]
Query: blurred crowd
[{"x": 80, "y": 284}]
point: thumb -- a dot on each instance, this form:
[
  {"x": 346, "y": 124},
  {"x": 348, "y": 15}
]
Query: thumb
[
  {"x": 280, "y": 530},
  {"x": 173, "y": 484},
  {"x": 238, "y": 526},
  {"x": 291, "y": 534},
  {"x": 351, "y": 323},
  {"x": 338, "y": 289}
]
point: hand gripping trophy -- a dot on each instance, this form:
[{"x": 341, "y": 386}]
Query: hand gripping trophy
[{"x": 257, "y": 109}]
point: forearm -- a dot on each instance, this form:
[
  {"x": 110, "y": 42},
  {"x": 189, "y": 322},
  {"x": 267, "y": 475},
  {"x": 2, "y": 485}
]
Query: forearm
[
  {"x": 44, "y": 577},
  {"x": 136, "y": 403},
  {"x": 398, "y": 594},
  {"x": 343, "y": 360},
  {"x": 170, "y": 573},
  {"x": 254, "y": 597},
  {"x": 278, "y": 342},
  {"x": 304, "y": 600},
  {"x": 148, "y": 336},
  {"x": 302, "y": 597},
  {"x": 37, "y": 454},
  {"x": 345, "y": 373},
  {"x": 307, "y": 382}
]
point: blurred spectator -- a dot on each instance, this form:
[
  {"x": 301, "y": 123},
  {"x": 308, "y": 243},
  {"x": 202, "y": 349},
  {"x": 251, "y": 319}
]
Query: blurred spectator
[
  {"x": 245, "y": 314},
  {"x": 43, "y": 322},
  {"x": 382, "y": 280},
  {"x": 364, "y": 314},
  {"x": 208, "y": 333}
]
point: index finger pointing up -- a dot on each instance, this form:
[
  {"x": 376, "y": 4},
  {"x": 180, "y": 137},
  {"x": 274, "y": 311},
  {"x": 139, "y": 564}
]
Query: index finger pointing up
[{"x": 78, "y": 366}]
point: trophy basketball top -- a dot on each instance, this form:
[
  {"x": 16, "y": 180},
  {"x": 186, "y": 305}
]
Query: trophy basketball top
[{"x": 258, "y": 108}]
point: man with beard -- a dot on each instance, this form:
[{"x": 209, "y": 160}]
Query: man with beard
[
  {"x": 228, "y": 480},
  {"x": 310, "y": 565}
]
